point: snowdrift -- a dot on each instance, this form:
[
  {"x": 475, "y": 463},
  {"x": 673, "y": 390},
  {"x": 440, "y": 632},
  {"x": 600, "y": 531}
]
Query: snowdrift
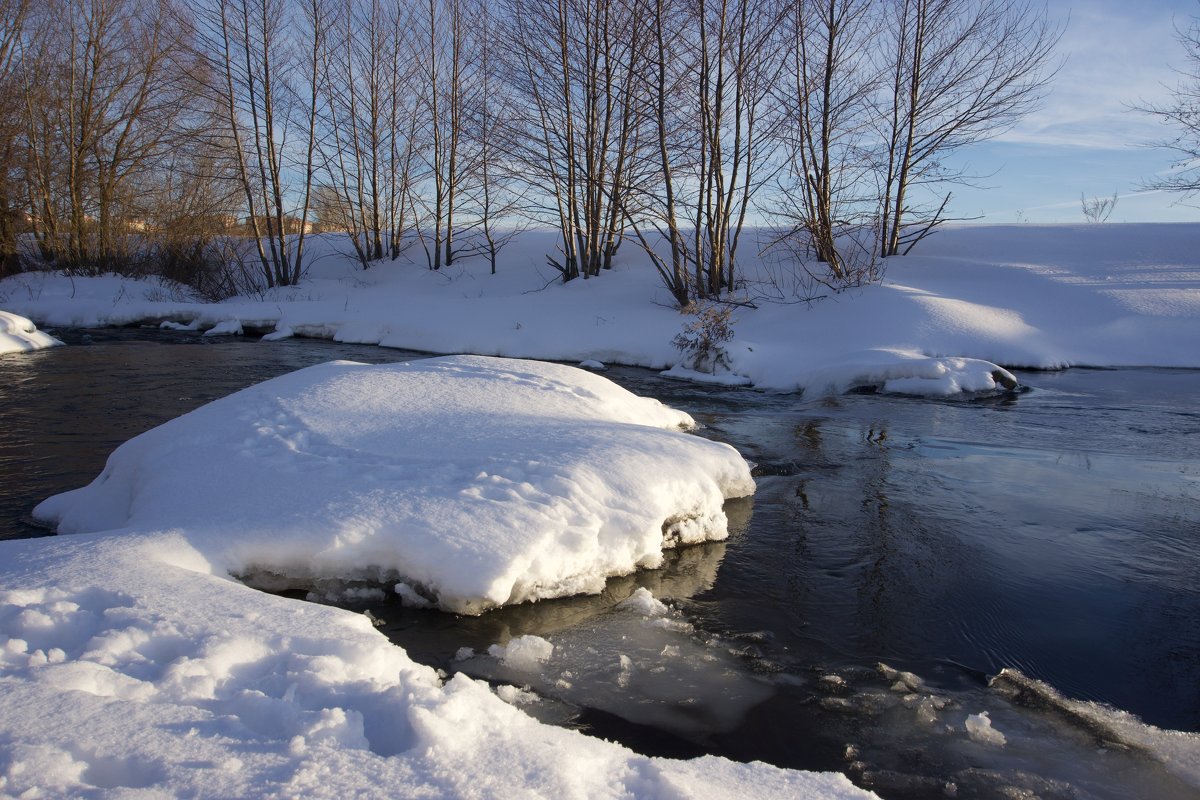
[{"x": 477, "y": 482}]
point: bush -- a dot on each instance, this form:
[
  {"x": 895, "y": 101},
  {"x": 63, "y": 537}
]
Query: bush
[{"x": 701, "y": 340}]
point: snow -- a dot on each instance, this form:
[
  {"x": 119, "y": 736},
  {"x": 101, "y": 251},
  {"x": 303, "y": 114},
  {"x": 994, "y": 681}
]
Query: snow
[
  {"x": 969, "y": 299},
  {"x": 19, "y": 335},
  {"x": 132, "y": 663},
  {"x": 129, "y": 666},
  {"x": 475, "y": 481}
]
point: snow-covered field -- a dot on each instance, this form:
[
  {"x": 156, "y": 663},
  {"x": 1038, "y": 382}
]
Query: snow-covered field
[{"x": 970, "y": 298}]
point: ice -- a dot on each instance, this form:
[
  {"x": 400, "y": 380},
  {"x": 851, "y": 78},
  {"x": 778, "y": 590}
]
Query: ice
[
  {"x": 226, "y": 327},
  {"x": 1017, "y": 737},
  {"x": 643, "y": 602},
  {"x": 475, "y": 482},
  {"x": 410, "y": 596},
  {"x": 979, "y": 727},
  {"x": 631, "y": 666},
  {"x": 523, "y": 653}
]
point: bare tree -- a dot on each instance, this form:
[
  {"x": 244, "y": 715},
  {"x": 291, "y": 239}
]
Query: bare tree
[
  {"x": 575, "y": 67},
  {"x": 958, "y": 72},
  {"x": 355, "y": 140},
  {"x": 1182, "y": 115},
  {"x": 1097, "y": 209},
  {"x": 493, "y": 191},
  {"x": 448, "y": 67},
  {"x": 13, "y": 16},
  {"x": 103, "y": 85},
  {"x": 825, "y": 198},
  {"x": 253, "y": 49},
  {"x": 713, "y": 67}
]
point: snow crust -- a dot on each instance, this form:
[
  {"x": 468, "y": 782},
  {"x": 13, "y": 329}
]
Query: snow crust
[
  {"x": 19, "y": 335},
  {"x": 475, "y": 481},
  {"x": 970, "y": 298},
  {"x": 131, "y": 664}
]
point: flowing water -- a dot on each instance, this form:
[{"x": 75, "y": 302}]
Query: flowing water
[{"x": 898, "y": 554}]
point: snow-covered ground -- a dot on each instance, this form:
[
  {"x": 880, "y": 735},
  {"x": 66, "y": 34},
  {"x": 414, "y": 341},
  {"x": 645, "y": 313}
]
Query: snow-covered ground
[
  {"x": 133, "y": 664},
  {"x": 18, "y": 335},
  {"x": 970, "y": 297}
]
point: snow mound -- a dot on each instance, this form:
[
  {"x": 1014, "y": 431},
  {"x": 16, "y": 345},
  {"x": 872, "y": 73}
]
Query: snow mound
[
  {"x": 477, "y": 482},
  {"x": 19, "y": 335}
]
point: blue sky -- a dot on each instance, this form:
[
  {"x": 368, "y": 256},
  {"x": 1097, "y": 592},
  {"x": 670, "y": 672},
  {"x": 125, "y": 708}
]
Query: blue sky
[{"x": 1084, "y": 138}]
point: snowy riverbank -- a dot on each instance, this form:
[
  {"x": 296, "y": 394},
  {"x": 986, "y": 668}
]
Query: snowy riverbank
[{"x": 971, "y": 298}]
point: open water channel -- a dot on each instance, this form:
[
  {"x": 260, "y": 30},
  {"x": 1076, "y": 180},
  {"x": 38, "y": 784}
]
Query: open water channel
[{"x": 899, "y": 554}]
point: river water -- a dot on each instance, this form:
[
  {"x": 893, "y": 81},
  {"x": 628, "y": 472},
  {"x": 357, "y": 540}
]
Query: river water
[{"x": 899, "y": 552}]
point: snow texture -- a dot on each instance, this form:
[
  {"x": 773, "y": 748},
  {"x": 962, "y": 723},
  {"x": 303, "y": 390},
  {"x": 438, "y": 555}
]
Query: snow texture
[
  {"x": 477, "y": 482},
  {"x": 971, "y": 298},
  {"x": 128, "y": 667},
  {"x": 19, "y": 335},
  {"x": 131, "y": 664}
]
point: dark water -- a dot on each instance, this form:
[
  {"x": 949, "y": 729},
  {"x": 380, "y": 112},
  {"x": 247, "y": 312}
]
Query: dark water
[{"x": 1055, "y": 531}]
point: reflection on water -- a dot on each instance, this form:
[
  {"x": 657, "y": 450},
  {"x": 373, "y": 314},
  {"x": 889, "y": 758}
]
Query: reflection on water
[{"x": 1056, "y": 532}]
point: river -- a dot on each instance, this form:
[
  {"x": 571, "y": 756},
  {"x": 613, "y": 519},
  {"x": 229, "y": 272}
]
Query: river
[{"x": 1055, "y": 532}]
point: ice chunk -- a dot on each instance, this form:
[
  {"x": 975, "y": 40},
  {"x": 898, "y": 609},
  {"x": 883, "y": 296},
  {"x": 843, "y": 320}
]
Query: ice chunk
[
  {"x": 642, "y": 602},
  {"x": 524, "y": 652},
  {"x": 979, "y": 728},
  {"x": 228, "y": 327}
]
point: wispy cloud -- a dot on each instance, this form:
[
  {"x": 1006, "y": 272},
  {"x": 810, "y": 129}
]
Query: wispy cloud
[{"x": 1118, "y": 54}]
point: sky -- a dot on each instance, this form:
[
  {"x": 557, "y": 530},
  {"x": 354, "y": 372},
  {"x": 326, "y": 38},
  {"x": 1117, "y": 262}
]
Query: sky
[{"x": 1084, "y": 138}]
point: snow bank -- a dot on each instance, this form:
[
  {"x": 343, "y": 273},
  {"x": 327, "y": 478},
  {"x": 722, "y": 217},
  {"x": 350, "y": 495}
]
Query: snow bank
[
  {"x": 475, "y": 481},
  {"x": 971, "y": 298},
  {"x": 128, "y": 667},
  {"x": 18, "y": 335}
]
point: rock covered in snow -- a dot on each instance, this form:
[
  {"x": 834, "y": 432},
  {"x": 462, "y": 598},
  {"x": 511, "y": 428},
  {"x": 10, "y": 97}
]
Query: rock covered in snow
[{"x": 18, "y": 335}]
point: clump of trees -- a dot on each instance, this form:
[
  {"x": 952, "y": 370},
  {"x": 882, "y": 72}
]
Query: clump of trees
[{"x": 207, "y": 140}]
